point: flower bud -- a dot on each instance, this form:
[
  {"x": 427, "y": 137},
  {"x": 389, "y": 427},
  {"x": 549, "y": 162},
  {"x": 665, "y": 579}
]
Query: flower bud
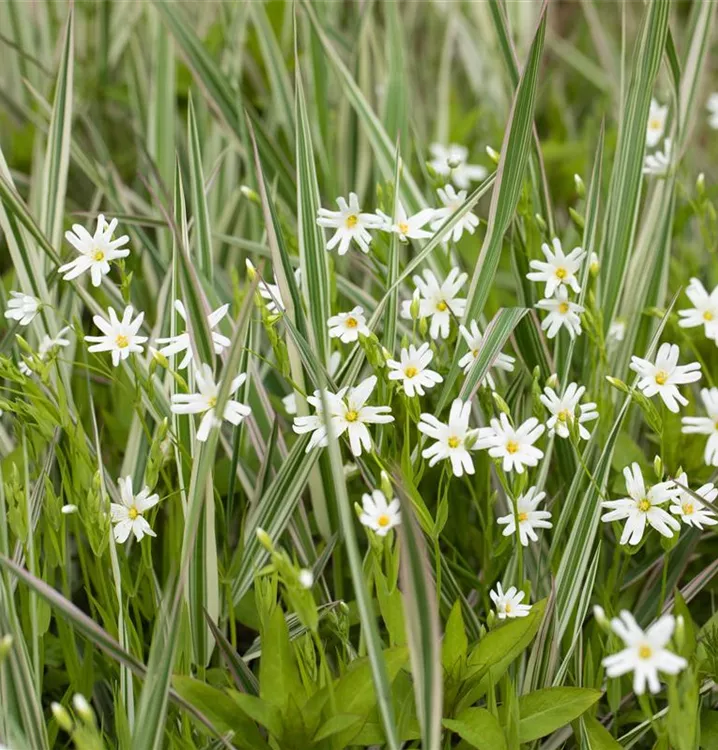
[
  {"x": 251, "y": 270},
  {"x": 423, "y": 327},
  {"x": 306, "y": 578},
  {"x": 600, "y": 616},
  {"x": 493, "y": 155},
  {"x": 577, "y": 219},
  {"x": 679, "y": 634},
  {"x": 264, "y": 540},
  {"x": 658, "y": 467},
  {"x": 580, "y": 187},
  {"x": 159, "y": 359},
  {"x": 501, "y": 405},
  {"x": 618, "y": 384},
  {"x": 701, "y": 185},
  {"x": 62, "y": 717},
  {"x": 385, "y": 486},
  {"x": 5, "y": 646},
  {"x": 540, "y": 222},
  {"x": 595, "y": 266},
  {"x": 250, "y": 194},
  {"x": 68, "y": 510},
  {"x": 415, "y": 305},
  {"x": 82, "y": 708},
  {"x": 552, "y": 381}
]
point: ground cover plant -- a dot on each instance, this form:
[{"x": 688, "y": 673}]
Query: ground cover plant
[{"x": 358, "y": 375}]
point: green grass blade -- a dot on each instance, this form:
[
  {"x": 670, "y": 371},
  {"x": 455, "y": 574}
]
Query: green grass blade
[{"x": 202, "y": 228}]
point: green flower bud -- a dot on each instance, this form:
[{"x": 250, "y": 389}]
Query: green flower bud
[
  {"x": 658, "y": 467},
  {"x": 62, "y": 717},
  {"x": 540, "y": 222},
  {"x": 386, "y": 487},
  {"x": 250, "y": 194},
  {"x": 580, "y": 187},
  {"x": 493, "y": 155},
  {"x": 501, "y": 405},
  {"x": 264, "y": 540},
  {"x": 618, "y": 384},
  {"x": 701, "y": 185},
  {"x": 5, "y": 646}
]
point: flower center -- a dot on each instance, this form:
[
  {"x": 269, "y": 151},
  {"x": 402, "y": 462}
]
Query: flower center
[
  {"x": 561, "y": 272},
  {"x": 351, "y": 322},
  {"x": 707, "y": 315},
  {"x": 644, "y": 652},
  {"x": 351, "y": 221},
  {"x": 523, "y": 517},
  {"x": 441, "y": 306},
  {"x": 383, "y": 520},
  {"x": 212, "y": 402},
  {"x": 564, "y": 415},
  {"x": 98, "y": 254},
  {"x": 512, "y": 446},
  {"x": 655, "y": 124},
  {"x": 475, "y": 353},
  {"x": 688, "y": 509},
  {"x": 403, "y": 227},
  {"x": 563, "y": 308},
  {"x": 644, "y": 505},
  {"x": 411, "y": 372},
  {"x": 133, "y": 513},
  {"x": 661, "y": 377},
  {"x": 454, "y": 442},
  {"x": 507, "y": 607},
  {"x": 122, "y": 341},
  {"x": 351, "y": 416}
]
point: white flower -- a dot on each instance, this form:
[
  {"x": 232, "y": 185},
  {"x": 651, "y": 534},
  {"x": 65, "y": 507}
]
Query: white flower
[
  {"x": 508, "y": 604},
  {"x": 594, "y": 264},
  {"x": 706, "y": 425},
  {"x": 645, "y": 654},
  {"x": 350, "y": 224},
  {"x": 452, "y": 202},
  {"x": 659, "y": 162},
  {"x": 412, "y": 370},
  {"x": 474, "y": 341},
  {"x": 349, "y": 414},
  {"x": 530, "y": 519},
  {"x": 438, "y": 301},
  {"x": 47, "y": 344},
  {"x": 290, "y": 401},
  {"x": 642, "y": 507},
  {"x": 127, "y": 515},
  {"x": 68, "y": 510},
  {"x": 563, "y": 410},
  {"x": 558, "y": 269},
  {"x": 451, "y": 438},
  {"x": 181, "y": 342},
  {"x": 306, "y": 578},
  {"x": 205, "y": 400},
  {"x": 347, "y": 326},
  {"x": 561, "y": 312},
  {"x": 617, "y": 330},
  {"x": 450, "y": 161},
  {"x": 22, "y": 307},
  {"x": 407, "y": 227},
  {"x": 96, "y": 251},
  {"x": 665, "y": 375},
  {"x": 270, "y": 292},
  {"x": 314, "y": 423},
  {"x": 514, "y": 446},
  {"x": 657, "y": 116},
  {"x": 704, "y": 312},
  {"x": 119, "y": 336},
  {"x": 712, "y": 107},
  {"x": 377, "y": 514},
  {"x": 690, "y": 509}
]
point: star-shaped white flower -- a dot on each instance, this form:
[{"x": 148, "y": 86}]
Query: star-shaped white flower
[
  {"x": 348, "y": 326},
  {"x": 407, "y": 227},
  {"x": 642, "y": 506},
  {"x": 453, "y": 201},
  {"x": 450, "y": 162},
  {"x": 22, "y": 307},
  {"x": 645, "y": 654},
  {"x": 204, "y": 402},
  {"x": 413, "y": 370},
  {"x": 508, "y": 604},
  {"x": 474, "y": 340},
  {"x": 704, "y": 311},
  {"x": 47, "y": 344},
  {"x": 314, "y": 423},
  {"x": 351, "y": 415},
  {"x": 665, "y": 375},
  {"x": 706, "y": 425},
  {"x": 127, "y": 515},
  {"x": 95, "y": 251},
  {"x": 270, "y": 292},
  {"x": 452, "y": 438},
  {"x": 119, "y": 336},
  {"x": 561, "y": 313},
  {"x": 659, "y": 162},
  {"x": 514, "y": 445},
  {"x": 350, "y": 224},
  {"x": 690, "y": 509},
  {"x": 181, "y": 342},
  {"x": 558, "y": 269},
  {"x": 438, "y": 301},
  {"x": 530, "y": 519},
  {"x": 657, "y": 116},
  {"x": 563, "y": 410},
  {"x": 290, "y": 401},
  {"x": 379, "y": 515},
  {"x": 712, "y": 107}
]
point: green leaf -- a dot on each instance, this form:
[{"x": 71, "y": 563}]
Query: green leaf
[
  {"x": 545, "y": 711},
  {"x": 261, "y": 711},
  {"x": 479, "y": 727},
  {"x": 278, "y": 672},
  {"x": 202, "y": 227},
  {"x": 348, "y": 723},
  {"x": 222, "y": 711},
  {"x": 455, "y": 644},
  {"x": 598, "y": 736}
]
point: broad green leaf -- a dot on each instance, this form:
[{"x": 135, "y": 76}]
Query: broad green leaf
[
  {"x": 345, "y": 723},
  {"x": 455, "y": 644},
  {"x": 478, "y": 727},
  {"x": 261, "y": 711},
  {"x": 599, "y": 737},
  {"x": 544, "y": 711},
  {"x": 278, "y": 673}
]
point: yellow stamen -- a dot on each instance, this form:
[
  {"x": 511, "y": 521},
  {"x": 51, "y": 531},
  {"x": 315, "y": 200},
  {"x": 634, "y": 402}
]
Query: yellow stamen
[
  {"x": 441, "y": 306},
  {"x": 403, "y": 227},
  {"x": 707, "y": 315},
  {"x": 688, "y": 509},
  {"x": 122, "y": 341},
  {"x": 133, "y": 513},
  {"x": 645, "y": 505},
  {"x": 512, "y": 446},
  {"x": 644, "y": 652},
  {"x": 351, "y": 416},
  {"x": 454, "y": 442},
  {"x": 564, "y": 415},
  {"x": 475, "y": 353},
  {"x": 383, "y": 520},
  {"x": 563, "y": 308},
  {"x": 98, "y": 254},
  {"x": 411, "y": 372},
  {"x": 561, "y": 273},
  {"x": 661, "y": 376},
  {"x": 655, "y": 124},
  {"x": 212, "y": 402},
  {"x": 351, "y": 322},
  {"x": 523, "y": 517},
  {"x": 507, "y": 607},
  {"x": 351, "y": 221}
]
